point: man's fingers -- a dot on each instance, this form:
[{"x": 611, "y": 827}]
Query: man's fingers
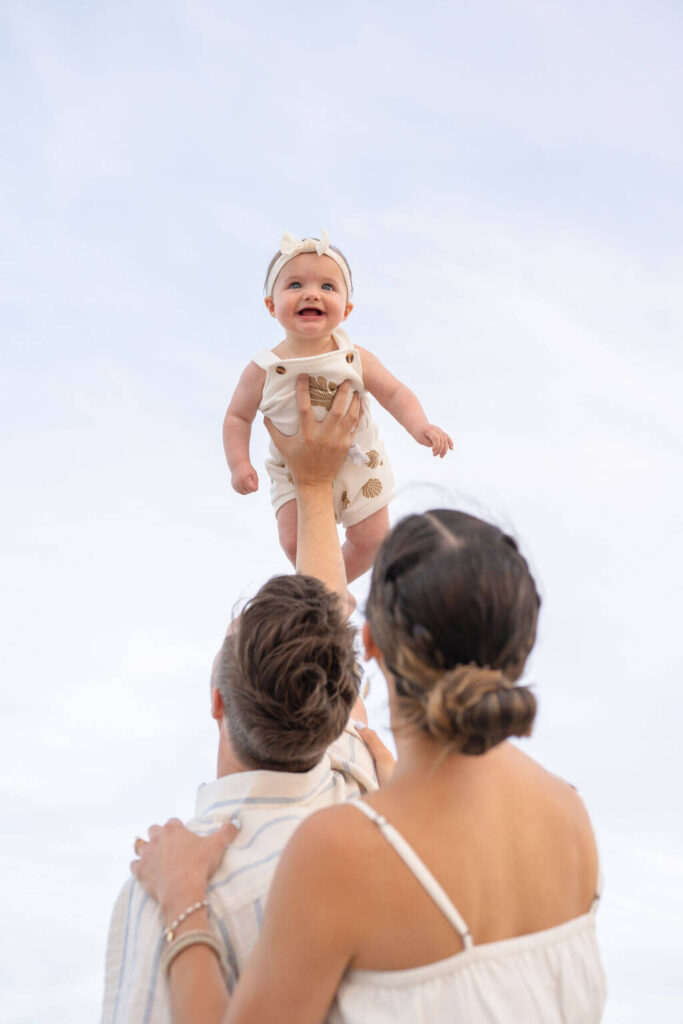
[
  {"x": 352, "y": 415},
  {"x": 347, "y": 413},
  {"x": 338, "y": 408},
  {"x": 303, "y": 397}
]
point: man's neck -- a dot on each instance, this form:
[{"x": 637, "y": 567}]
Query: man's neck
[{"x": 227, "y": 762}]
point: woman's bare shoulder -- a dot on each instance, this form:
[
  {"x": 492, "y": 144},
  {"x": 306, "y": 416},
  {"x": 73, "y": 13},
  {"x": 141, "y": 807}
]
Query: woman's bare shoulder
[
  {"x": 561, "y": 804},
  {"x": 333, "y": 842},
  {"x": 326, "y": 857}
]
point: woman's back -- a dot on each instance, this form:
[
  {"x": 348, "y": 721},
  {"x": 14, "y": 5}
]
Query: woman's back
[
  {"x": 509, "y": 843},
  {"x": 511, "y": 848},
  {"x": 507, "y": 932}
]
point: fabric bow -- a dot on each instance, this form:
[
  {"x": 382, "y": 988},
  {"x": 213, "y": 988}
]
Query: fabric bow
[{"x": 291, "y": 246}]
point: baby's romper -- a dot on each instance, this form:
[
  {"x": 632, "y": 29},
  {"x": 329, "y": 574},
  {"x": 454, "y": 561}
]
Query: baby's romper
[{"x": 359, "y": 490}]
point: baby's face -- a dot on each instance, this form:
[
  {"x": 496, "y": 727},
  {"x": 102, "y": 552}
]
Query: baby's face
[{"x": 309, "y": 298}]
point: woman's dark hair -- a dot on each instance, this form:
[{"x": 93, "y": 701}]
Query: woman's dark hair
[
  {"x": 288, "y": 675},
  {"x": 453, "y": 609}
]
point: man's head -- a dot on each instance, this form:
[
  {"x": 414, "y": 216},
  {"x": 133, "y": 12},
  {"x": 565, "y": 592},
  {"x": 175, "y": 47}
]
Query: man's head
[{"x": 287, "y": 675}]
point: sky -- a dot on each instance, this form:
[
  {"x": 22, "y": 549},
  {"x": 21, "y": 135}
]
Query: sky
[{"x": 505, "y": 180}]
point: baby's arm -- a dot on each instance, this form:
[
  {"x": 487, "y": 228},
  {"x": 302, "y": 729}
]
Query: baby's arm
[
  {"x": 403, "y": 404},
  {"x": 237, "y": 428}
]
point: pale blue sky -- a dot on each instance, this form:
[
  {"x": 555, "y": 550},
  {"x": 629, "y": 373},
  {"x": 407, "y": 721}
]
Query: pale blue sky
[{"x": 506, "y": 183}]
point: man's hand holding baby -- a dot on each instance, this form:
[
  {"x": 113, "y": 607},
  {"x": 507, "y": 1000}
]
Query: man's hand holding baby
[{"x": 316, "y": 452}]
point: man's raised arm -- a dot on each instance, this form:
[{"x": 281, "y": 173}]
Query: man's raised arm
[{"x": 314, "y": 456}]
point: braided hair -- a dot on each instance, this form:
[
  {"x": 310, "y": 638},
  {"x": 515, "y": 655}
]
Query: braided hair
[{"x": 453, "y": 609}]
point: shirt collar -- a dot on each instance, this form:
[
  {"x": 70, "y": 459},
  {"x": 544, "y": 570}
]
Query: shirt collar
[{"x": 261, "y": 789}]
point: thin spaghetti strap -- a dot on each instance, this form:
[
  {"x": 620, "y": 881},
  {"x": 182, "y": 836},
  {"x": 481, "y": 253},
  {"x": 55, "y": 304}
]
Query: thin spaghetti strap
[
  {"x": 598, "y": 888},
  {"x": 419, "y": 870},
  {"x": 265, "y": 358}
]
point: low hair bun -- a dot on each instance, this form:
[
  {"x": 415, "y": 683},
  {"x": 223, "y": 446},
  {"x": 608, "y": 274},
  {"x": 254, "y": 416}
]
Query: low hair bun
[{"x": 472, "y": 708}]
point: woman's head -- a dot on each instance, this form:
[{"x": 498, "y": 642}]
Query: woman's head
[
  {"x": 453, "y": 610},
  {"x": 287, "y": 675}
]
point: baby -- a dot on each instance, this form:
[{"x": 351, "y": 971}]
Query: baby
[{"x": 308, "y": 290}]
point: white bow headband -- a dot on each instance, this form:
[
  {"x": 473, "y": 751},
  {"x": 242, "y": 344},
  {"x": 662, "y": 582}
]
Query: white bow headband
[{"x": 291, "y": 247}]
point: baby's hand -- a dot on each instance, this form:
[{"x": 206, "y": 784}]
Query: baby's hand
[
  {"x": 434, "y": 438},
  {"x": 244, "y": 478}
]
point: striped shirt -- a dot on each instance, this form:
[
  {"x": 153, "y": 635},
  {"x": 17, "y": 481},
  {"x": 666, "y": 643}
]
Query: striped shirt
[{"x": 270, "y": 805}]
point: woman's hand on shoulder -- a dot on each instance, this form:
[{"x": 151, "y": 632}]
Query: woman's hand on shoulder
[{"x": 174, "y": 867}]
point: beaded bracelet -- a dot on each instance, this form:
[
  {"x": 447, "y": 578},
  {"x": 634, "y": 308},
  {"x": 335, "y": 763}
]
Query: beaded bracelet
[
  {"x": 193, "y": 938},
  {"x": 170, "y": 931}
]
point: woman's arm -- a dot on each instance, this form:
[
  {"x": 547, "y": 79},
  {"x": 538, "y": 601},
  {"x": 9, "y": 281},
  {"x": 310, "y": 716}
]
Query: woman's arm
[
  {"x": 311, "y": 926},
  {"x": 237, "y": 428},
  {"x": 403, "y": 404},
  {"x": 175, "y": 867},
  {"x": 310, "y": 929}
]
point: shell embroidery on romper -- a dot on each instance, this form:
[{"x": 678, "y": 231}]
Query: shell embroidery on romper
[
  {"x": 345, "y": 500},
  {"x": 372, "y": 488},
  {"x": 374, "y": 459},
  {"x": 322, "y": 391}
]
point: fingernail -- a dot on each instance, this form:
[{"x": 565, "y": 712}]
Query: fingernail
[
  {"x": 360, "y": 726},
  {"x": 236, "y": 822}
]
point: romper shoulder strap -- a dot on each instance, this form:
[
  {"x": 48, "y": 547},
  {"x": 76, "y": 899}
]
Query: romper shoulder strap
[
  {"x": 343, "y": 341},
  {"x": 265, "y": 358},
  {"x": 419, "y": 870}
]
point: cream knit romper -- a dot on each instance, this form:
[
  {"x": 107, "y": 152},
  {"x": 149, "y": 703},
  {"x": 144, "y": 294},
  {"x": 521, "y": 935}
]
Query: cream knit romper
[{"x": 359, "y": 490}]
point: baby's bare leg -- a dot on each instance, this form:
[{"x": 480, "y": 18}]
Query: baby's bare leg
[
  {"x": 286, "y": 528},
  {"x": 362, "y": 542}
]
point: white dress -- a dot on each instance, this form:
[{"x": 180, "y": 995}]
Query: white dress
[
  {"x": 359, "y": 489},
  {"x": 549, "y": 977}
]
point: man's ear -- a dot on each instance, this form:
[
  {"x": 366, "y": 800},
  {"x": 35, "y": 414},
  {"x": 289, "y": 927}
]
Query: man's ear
[
  {"x": 349, "y": 307},
  {"x": 217, "y": 710},
  {"x": 270, "y": 306},
  {"x": 371, "y": 648}
]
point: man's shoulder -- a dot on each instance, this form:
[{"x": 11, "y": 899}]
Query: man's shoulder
[{"x": 350, "y": 758}]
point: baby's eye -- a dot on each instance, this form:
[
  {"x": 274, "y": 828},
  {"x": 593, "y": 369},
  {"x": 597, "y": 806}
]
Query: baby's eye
[
  {"x": 295, "y": 284},
  {"x": 328, "y": 287}
]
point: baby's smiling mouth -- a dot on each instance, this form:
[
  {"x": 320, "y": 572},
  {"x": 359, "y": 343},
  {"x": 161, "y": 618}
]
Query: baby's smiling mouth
[{"x": 310, "y": 312}]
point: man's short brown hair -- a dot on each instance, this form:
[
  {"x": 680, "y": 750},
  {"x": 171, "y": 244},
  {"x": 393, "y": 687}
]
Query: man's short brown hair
[{"x": 288, "y": 675}]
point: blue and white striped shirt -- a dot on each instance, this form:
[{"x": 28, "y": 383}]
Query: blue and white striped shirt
[{"x": 270, "y": 805}]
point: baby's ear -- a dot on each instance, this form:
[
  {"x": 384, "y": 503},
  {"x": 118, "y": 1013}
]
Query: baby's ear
[
  {"x": 270, "y": 306},
  {"x": 349, "y": 307}
]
